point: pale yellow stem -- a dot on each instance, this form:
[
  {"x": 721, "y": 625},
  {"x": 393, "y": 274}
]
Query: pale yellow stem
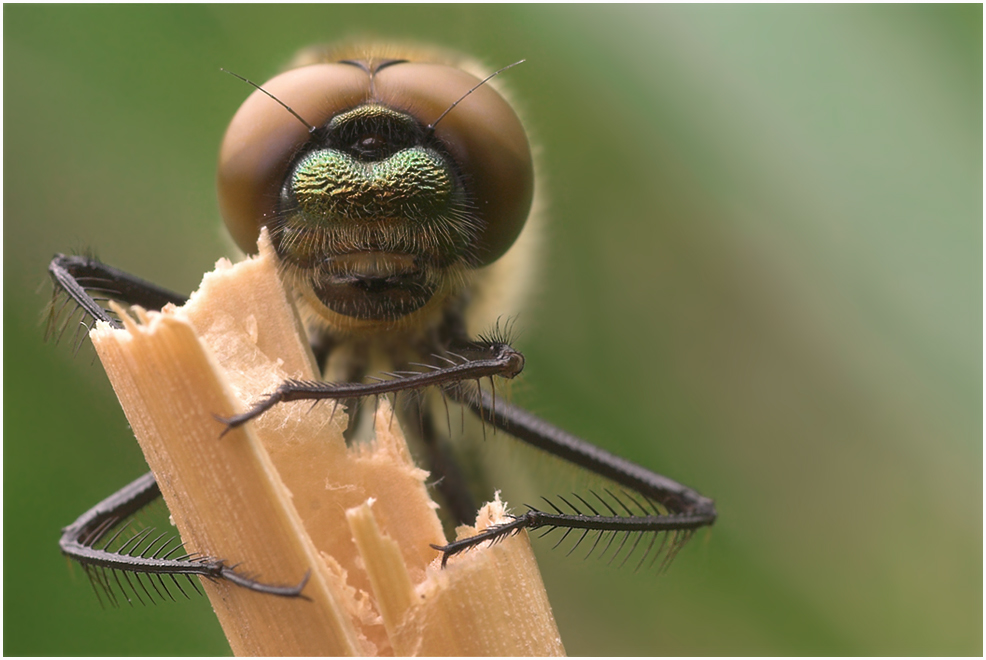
[{"x": 284, "y": 495}]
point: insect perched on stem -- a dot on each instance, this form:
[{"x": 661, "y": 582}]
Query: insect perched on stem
[{"x": 396, "y": 188}]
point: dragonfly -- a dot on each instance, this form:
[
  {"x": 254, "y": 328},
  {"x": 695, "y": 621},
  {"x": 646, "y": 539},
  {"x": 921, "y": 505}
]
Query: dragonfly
[{"x": 397, "y": 188}]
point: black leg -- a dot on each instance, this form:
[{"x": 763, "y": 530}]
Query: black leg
[
  {"x": 482, "y": 361},
  {"x": 660, "y": 505},
  {"x": 648, "y": 503},
  {"x": 88, "y": 541},
  {"x": 87, "y": 282}
]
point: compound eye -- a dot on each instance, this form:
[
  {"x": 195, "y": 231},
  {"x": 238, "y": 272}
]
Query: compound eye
[
  {"x": 263, "y": 138},
  {"x": 483, "y": 135}
]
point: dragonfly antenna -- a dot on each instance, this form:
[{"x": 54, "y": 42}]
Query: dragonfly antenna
[
  {"x": 311, "y": 129},
  {"x": 485, "y": 80}
]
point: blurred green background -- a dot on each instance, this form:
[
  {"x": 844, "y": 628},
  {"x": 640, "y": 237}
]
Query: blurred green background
[{"x": 763, "y": 279}]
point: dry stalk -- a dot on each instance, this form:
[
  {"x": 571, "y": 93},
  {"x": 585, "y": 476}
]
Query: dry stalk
[{"x": 284, "y": 495}]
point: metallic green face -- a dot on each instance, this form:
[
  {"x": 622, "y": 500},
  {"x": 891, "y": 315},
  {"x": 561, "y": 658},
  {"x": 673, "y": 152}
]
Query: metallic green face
[
  {"x": 373, "y": 214},
  {"x": 331, "y": 186}
]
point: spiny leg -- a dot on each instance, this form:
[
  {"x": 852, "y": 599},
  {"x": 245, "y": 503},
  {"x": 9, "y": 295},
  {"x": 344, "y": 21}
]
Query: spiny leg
[
  {"x": 670, "y": 507},
  {"x": 468, "y": 361},
  {"x": 679, "y": 509},
  {"x": 78, "y": 277},
  {"x": 492, "y": 360},
  {"x": 81, "y": 541}
]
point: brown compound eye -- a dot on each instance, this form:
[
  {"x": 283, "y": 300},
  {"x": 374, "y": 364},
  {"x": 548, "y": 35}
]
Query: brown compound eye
[
  {"x": 263, "y": 138},
  {"x": 482, "y": 135}
]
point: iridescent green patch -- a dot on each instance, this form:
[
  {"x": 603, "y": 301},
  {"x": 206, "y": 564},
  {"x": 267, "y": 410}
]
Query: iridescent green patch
[{"x": 330, "y": 186}]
